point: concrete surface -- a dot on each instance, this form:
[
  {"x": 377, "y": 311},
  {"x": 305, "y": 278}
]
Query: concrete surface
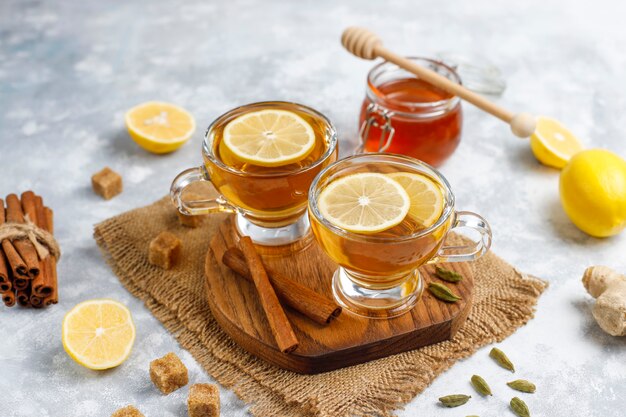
[{"x": 69, "y": 70}]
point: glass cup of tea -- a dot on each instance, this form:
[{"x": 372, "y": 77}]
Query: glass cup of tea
[
  {"x": 380, "y": 217},
  {"x": 262, "y": 158}
]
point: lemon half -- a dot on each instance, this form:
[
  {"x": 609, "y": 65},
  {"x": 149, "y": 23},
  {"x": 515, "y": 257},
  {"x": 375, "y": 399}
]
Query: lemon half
[
  {"x": 98, "y": 334},
  {"x": 364, "y": 203},
  {"x": 552, "y": 144},
  {"x": 269, "y": 137},
  {"x": 159, "y": 127}
]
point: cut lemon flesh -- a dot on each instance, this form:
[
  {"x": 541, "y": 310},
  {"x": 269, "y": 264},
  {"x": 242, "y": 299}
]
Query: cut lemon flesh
[
  {"x": 269, "y": 137},
  {"x": 159, "y": 127},
  {"x": 98, "y": 334},
  {"x": 425, "y": 195},
  {"x": 552, "y": 144},
  {"x": 364, "y": 203}
]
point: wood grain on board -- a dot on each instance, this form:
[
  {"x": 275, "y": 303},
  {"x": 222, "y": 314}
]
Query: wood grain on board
[{"x": 348, "y": 339}]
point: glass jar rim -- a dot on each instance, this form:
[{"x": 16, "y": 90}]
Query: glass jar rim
[
  {"x": 425, "y": 108},
  {"x": 448, "y": 208},
  {"x": 207, "y": 148}
]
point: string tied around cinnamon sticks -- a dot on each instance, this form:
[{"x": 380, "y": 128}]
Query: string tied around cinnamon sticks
[
  {"x": 28, "y": 252},
  {"x": 44, "y": 242}
]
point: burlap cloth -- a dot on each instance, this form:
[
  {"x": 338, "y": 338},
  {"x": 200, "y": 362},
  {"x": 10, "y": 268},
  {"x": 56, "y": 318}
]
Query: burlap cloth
[{"x": 504, "y": 300}]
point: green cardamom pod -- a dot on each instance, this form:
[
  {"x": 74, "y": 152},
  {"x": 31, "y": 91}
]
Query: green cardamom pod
[
  {"x": 522, "y": 385},
  {"x": 519, "y": 407},
  {"x": 454, "y": 400},
  {"x": 447, "y": 275},
  {"x": 473, "y": 415},
  {"x": 480, "y": 385},
  {"x": 442, "y": 292},
  {"x": 502, "y": 359}
]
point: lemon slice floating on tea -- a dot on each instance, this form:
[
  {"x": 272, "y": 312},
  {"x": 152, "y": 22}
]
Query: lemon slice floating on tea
[
  {"x": 426, "y": 197},
  {"x": 552, "y": 144},
  {"x": 364, "y": 203},
  {"x": 269, "y": 138},
  {"x": 159, "y": 127},
  {"x": 98, "y": 334}
]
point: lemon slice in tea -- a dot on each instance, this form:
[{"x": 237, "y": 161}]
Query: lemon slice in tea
[
  {"x": 552, "y": 144},
  {"x": 98, "y": 334},
  {"x": 159, "y": 127},
  {"x": 269, "y": 137},
  {"x": 426, "y": 197},
  {"x": 364, "y": 203}
]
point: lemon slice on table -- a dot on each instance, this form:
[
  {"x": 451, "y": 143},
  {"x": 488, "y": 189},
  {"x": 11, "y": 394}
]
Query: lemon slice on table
[
  {"x": 364, "y": 203},
  {"x": 98, "y": 334},
  {"x": 159, "y": 127},
  {"x": 552, "y": 144},
  {"x": 269, "y": 138},
  {"x": 426, "y": 197}
]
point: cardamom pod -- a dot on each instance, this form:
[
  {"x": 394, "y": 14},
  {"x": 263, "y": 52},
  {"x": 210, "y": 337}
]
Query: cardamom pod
[
  {"x": 522, "y": 385},
  {"x": 442, "y": 292},
  {"x": 454, "y": 400},
  {"x": 480, "y": 385},
  {"x": 472, "y": 416},
  {"x": 519, "y": 407},
  {"x": 502, "y": 359},
  {"x": 447, "y": 275}
]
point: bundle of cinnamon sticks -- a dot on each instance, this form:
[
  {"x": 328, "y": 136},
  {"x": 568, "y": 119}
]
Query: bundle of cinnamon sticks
[{"x": 28, "y": 272}]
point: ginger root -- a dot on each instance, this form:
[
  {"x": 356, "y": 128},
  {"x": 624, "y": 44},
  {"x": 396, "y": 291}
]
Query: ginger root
[{"x": 609, "y": 289}]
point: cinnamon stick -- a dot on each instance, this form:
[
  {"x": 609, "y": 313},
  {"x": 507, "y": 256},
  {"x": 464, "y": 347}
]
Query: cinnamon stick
[
  {"x": 49, "y": 219},
  {"x": 14, "y": 259},
  {"x": 20, "y": 282},
  {"x": 36, "y": 301},
  {"x": 8, "y": 298},
  {"x": 279, "y": 324},
  {"x": 4, "y": 270},
  {"x": 43, "y": 284},
  {"x": 297, "y": 296},
  {"x": 23, "y": 297},
  {"x": 5, "y": 273},
  {"x": 24, "y": 247},
  {"x": 52, "y": 298}
]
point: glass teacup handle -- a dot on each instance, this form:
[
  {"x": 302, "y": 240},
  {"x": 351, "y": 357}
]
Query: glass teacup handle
[
  {"x": 196, "y": 207},
  {"x": 471, "y": 251}
]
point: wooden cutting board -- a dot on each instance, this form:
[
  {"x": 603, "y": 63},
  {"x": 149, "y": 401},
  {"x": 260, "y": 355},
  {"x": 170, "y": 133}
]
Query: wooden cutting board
[{"x": 347, "y": 340}]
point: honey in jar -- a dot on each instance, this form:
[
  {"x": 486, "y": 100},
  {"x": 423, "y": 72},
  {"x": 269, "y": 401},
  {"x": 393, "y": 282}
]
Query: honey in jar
[{"x": 406, "y": 115}]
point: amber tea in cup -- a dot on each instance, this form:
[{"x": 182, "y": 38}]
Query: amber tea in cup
[
  {"x": 378, "y": 269},
  {"x": 267, "y": 188}
]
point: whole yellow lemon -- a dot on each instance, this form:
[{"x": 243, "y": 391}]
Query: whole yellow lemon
[{"x": 593, "y": 192}]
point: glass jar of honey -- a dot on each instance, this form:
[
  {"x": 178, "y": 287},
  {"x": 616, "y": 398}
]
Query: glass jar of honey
[{"x": 406, "y": 115}]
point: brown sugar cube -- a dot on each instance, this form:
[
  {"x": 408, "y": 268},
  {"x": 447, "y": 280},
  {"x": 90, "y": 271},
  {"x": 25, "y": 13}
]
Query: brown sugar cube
[
  {"x": 164, "y": 250},
  {"x": 203, "y": 401},
  {"x": 168, "y": 373},
  {"x": 107, "y": 183},
  {"x": 191, "y": 221},
  {"x": 128, "y": 411}
]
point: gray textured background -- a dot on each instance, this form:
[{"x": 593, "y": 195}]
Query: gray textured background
[{"x": 69, "y": 70}]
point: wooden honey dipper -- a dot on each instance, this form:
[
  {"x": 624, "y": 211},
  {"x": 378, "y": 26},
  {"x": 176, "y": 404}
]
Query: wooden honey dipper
[{"x": 367, "y": 45}]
